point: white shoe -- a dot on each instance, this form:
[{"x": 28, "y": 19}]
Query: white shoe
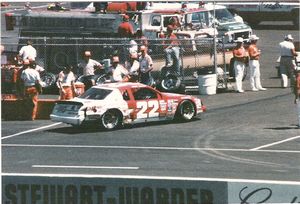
[
  {"x": 240, "y": 91},
  {"x": 255, "y": 89},
  {"x": 262, "y": 89}
]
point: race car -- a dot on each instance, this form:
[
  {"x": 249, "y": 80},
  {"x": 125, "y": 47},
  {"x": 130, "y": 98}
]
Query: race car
[{"x": 114, "y": 104}]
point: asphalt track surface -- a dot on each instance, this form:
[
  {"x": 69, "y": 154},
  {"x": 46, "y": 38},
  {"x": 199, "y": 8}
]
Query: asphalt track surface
[{"x": 250, "y": 136}]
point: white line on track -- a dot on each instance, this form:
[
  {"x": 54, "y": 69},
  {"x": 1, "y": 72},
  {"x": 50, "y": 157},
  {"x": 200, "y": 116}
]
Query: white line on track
[
  {"x": 86, "y": 167},
  {"x": 275, "y": 143},
  {"x": 31, "y": 130},
  {"x": 152, "y": 178},
  {"x": 149, "y": 148}
]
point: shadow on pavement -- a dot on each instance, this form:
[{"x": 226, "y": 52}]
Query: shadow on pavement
[
  {"x": 283, "y": 128},
  {"x": 92, "y": 128}
]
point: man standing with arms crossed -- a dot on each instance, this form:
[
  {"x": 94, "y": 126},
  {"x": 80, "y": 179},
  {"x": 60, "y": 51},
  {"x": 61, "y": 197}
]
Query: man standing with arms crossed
[{"x": 254, "y": 54}]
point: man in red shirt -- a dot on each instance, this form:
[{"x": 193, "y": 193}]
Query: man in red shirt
[{"x": 125, "y": 29}]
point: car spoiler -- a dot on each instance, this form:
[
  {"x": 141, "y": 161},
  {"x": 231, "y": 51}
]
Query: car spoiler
[{"x": 69, "y": 102}]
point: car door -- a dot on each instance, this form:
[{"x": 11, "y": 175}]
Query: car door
[{"x": 148, "y": 105}]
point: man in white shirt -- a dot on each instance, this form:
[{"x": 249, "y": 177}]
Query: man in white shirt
[
  {"x": 145, "y": 66},
  {"x": 27, "y": 51},
  {"x": 31, "y": 79},
  {"x": 118, "y": 71},
  {"x": 287, "y": 60},
  {"x": 88, "y": 67},
  {"x": 66, "y": 83}
]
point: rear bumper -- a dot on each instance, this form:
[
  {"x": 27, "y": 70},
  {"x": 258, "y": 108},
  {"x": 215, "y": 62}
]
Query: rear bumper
[{"x": 69, "y": 120}]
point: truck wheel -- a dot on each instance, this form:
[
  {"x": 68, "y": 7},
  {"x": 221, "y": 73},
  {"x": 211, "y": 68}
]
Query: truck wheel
[
  {"x": 111, "y": 119},
  {"x": 186, "y": 111}
]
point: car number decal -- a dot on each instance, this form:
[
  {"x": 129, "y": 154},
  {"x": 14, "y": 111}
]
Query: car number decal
[{"x": 144, "y": 105}]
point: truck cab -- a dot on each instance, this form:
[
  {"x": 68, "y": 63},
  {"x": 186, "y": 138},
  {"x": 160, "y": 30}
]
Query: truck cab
[
  {"x": 229, "y": 25},
  {"x": 194, "y": 21}
]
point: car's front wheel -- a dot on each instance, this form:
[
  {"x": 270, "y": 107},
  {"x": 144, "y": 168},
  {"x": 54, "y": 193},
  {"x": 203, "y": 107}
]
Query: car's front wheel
[
  {"x": 186, "y": 110},
  {"x": 111, "y": 119}
]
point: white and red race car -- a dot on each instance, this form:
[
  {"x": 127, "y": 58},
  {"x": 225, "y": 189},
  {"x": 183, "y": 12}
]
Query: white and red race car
[{"x": 115, "y": 104}]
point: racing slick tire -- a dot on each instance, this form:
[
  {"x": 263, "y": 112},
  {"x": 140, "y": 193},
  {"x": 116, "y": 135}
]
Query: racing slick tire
[
  {"x": 186, "y": 111},
  {"x": 170, "y": 83},
  {"x": 111, "y": 119},
  {"x": 48, "y": 80},
  {"x": 101, "y": 79}
]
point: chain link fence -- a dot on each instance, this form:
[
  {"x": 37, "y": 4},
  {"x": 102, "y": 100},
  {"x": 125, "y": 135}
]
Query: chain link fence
[{"x": 196, "y": 55}]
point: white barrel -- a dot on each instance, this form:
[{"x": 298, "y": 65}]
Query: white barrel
[{"x": 207, "y": 84}]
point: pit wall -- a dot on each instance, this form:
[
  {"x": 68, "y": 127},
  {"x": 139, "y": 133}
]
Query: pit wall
[{"x": 143, "y": 190}]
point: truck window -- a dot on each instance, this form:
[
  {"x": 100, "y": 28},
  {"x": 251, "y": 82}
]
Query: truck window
[
  {"x": 200, "y": 18},
  {"x": 223, "y": 15},
  {"x": 156, "y": 20}
]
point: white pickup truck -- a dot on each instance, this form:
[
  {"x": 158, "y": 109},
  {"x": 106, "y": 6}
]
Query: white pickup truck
[{"x": 255, "y": 12}]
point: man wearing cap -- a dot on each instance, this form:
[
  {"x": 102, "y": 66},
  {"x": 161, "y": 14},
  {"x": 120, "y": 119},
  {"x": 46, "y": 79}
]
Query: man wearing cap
[
  {"x": 66, "y": 83},
  {"x": 88, "y": 67},
  {"x": 146, "y": 64},
  {"x": 125, "y": 29},
  {"x": 172, "y": 49},
  {"x": 28, "y": 51},
  {"x": 133, "y": 66},
  {"x": 31, "y": 79},
  {"x": 240, "y": 59},
  {"x": 287, "y": 60},
  {"x": 117, "y": 70},
  {"x": 254, "y": 54}
]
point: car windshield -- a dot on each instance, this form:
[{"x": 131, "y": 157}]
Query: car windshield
[
  {"x": 95, "y": 94},
  {"x": 223, "y": 15}
]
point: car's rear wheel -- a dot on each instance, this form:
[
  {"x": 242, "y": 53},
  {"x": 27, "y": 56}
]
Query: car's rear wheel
[
  {"x": 111, "y": 119},
  {"x": 186, "y": 111}
]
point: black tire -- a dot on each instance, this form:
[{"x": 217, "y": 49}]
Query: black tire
[
  {"x": 101, "y": 79},
  {"x": 111, "y": 119},
  {"x": 170, "y": 83},
  {"x": 48, "y": 79},
  {"x": 186, "y": 111}
]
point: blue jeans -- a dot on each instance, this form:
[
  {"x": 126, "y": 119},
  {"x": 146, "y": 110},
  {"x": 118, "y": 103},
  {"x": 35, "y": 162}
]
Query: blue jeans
[{"x": 173, "y": 54}]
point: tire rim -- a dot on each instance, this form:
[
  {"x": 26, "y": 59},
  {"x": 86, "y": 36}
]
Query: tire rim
[
  {"x": 188, "y": 110},
  {"x": 110, "y": 120},
  {"x": 169, "y": 83}
]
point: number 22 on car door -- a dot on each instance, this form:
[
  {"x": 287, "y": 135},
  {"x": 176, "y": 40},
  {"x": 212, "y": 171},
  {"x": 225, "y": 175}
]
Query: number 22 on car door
[{"x": 147, "y": 109}]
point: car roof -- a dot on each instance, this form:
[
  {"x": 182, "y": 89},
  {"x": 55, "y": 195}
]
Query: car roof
[{"x": 123, "y": 85}]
